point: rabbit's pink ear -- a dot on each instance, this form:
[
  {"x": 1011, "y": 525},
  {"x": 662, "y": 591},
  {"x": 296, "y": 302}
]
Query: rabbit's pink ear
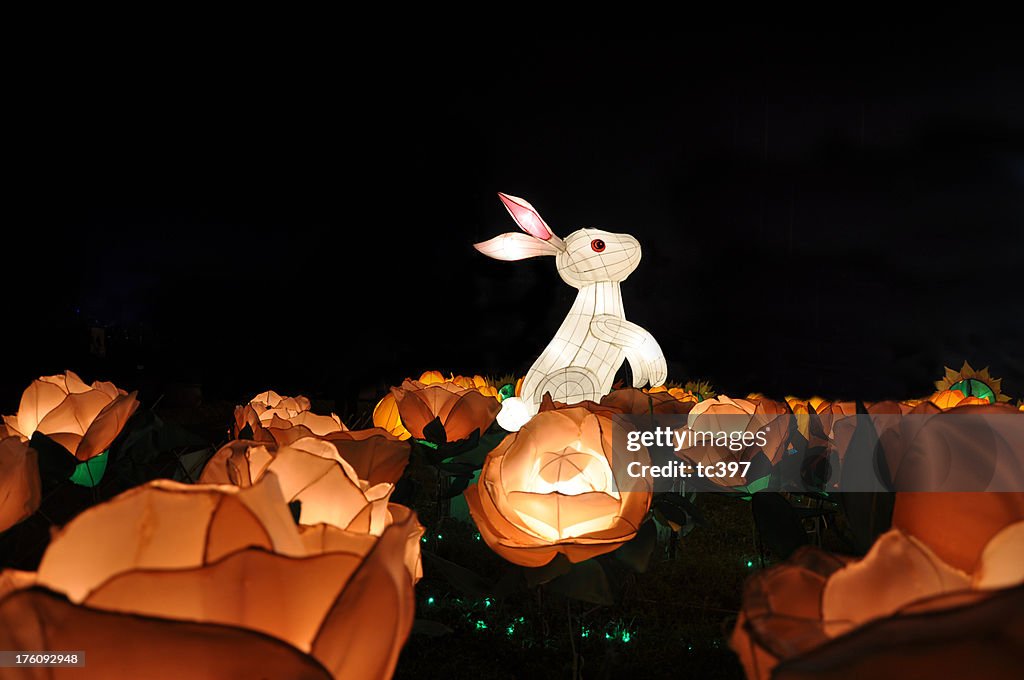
[
  {"x": 513, "y": 246},
  {"x": 528, "y": 219}
]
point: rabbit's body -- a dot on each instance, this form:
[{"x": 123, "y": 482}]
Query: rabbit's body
[
  {"x": 592, "y": 363},
  {"x": 589, "y": 347}
]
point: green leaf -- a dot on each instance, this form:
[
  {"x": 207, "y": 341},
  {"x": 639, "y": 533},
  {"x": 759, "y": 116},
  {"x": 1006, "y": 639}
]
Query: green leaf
[
  {"x": 434, "y": 432},
  {"x": 190, "y": 465},
  {"x": 459, "y": 509},
  {"x": 463, "y": 579},
  {"x": 56, "y": 464},
  {"x": 457, "y": 485},
  {"x": 295, "y": 508},
  {"x": 458, "y": 468},
  {"x": 90, "y": 472},
  {"x": 681, "y": 502},
  {"x": 482, "y": 445},
  {"x": 636, "y": 554},
  {"x": 585, "y": 581},
  {"x": 755, "y": 486},
  {"x": 558, "y": 566},
  {"x": 778, "y": 525}
]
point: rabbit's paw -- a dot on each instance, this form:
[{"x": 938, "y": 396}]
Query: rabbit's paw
[
  {"x": 658, "y": 372},
  {"x": 514, "y": 414}
]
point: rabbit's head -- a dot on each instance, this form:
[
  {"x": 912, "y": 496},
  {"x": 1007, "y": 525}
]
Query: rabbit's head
[{"x": 585, "y": 256}]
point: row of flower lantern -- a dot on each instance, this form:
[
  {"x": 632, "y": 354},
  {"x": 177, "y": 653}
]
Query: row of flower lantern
[
  {"x": 549, "y": 489},
  {"x": 287, "y": 544},
  {"x": 938, "y": 595},
  {"x": 545, "y": 490}
]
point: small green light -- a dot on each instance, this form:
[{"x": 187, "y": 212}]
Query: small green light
[
  {"x": 430, "y": 600},
  {"x": 439, "y": 537},
  {"x": 607, "y": 636},
  {"x": 750, "y": 563},
  {"x": 626, "y": 636},
  {"x": 520, "y": 620},
  {"x": 476, "y": 536},
  {"x": 510, "y": 630},
  {"x": 488, "y": 602},
  {"x": 689, "y": 648},
  {"x": 585, "y": 633},
  {"x": 423, "y": 540},
  {"x": 480, "y": 625}
]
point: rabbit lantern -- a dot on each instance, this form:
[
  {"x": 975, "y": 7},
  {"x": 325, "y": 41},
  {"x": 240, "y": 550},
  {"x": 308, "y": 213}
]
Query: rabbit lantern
[{"x": 589, "y": 347}]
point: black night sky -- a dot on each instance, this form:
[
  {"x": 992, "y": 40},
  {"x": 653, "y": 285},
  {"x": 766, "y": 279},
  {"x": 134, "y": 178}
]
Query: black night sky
[{"x": 832, "y": 214}]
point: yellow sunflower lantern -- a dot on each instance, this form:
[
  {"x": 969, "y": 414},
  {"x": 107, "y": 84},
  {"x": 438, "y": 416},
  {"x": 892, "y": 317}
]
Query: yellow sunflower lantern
[{"x": 972, "y": 383}]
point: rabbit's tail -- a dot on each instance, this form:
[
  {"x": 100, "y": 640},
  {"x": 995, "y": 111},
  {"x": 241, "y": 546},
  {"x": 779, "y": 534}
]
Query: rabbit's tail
[{"x": 514, "y": 414}]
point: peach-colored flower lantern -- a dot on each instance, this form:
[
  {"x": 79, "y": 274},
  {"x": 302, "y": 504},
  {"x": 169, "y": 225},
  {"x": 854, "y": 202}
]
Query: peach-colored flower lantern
[
  {"x": 792, "y": 610},
  {"x": 272, "y": 417},
  {"x": 209, "y": 570},
  {"x": 386, "y": 417},
  {"x": 757, "y": 424},
  {"x": 84, "y": 419},
  {"x": 460, "y": 410},
  {"x": 658, "y": 401},
  {"x": 313, "y": 473},
  {"x": 551, "y": 488},
  {"x": 20, "y": 488}
]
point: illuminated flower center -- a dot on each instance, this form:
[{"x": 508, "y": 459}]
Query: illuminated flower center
[
  {"x": 564, "y": 493},
  {"x": 574, "y": 470}
]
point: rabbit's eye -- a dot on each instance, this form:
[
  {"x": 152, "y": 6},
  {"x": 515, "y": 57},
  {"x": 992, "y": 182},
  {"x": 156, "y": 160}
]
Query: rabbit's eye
[{"x": 597, "y": 245}]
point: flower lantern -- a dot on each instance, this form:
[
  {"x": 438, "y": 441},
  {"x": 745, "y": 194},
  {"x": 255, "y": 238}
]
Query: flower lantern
[
  {"x": 551, "y": 488},
  {"x": 386, "y": 417},
  {"x": 84, "y": 419},
  {"x": 460, "y": 410},
  {"x": 20, "y": 488},
  {"x": 947, "y": 399},
  {"x": 311, "y": 472},
  {"x": 132, "y": 645},
  {"x": 271, "y": 417},
  {"x": 375, "y": 454},
  {"x": 745, "y": 424},
  {"x": 658, "y": 401},
  {"x": 327, "y": 488},
  {"x": 972, "y": 383},
  {"x": 209, "y": 566},
  {"x": 792, "y": 610}
]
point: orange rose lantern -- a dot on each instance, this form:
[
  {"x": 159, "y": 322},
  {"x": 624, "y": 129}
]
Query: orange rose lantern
[
  {"x": 551, "y": 488},
  {"x": 84, "y": 419},
  {"x": 20, "y": 488},
  {"x": 271, "y": 417},
  {"x": 327, "y": 489},
  {"x": 460, "y": 410},
  {"x": 204, "y": 571},
  {"x": 896, "y": 607}
]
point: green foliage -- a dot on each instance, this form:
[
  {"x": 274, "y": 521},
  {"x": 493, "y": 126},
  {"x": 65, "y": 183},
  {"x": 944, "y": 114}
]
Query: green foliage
[
  {"x": 90, "y": 472},
  {"x": 702, "y": 389}
]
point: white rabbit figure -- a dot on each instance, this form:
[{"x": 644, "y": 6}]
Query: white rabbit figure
[{"x": 581, "y": 361}]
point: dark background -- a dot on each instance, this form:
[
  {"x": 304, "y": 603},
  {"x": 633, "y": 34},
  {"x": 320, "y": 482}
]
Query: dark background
[{"x": 820, "y": 213}]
